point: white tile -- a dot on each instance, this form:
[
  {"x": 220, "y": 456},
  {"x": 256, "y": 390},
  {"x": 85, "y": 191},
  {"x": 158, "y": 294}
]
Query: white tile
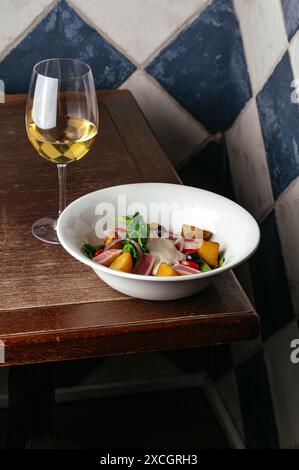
[
  {"x": 176, "y": 130},
  {"x": 294, "y": 55},
  {"x": 16, "y": 17},
  {"x": 284, "y": 382},
  {"x": 287, "y": 215},
  {"x": 138, "y": 26},
  {"x": 264, "y": 37},
  {"x": 228, "y": 390},
  {"x": 248, "y": 162}
]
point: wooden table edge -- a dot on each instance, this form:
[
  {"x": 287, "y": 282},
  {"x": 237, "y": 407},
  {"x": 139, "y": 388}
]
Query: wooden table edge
[{"x": 128, "y": 339}]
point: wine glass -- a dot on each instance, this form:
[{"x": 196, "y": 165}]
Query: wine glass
[{"x": 61, "y": 122}]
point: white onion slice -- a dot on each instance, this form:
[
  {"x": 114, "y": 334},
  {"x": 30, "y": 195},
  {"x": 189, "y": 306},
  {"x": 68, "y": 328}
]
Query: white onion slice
[
  {"x": 192, "y": 244},
  {"x": 183, "y": 269},
  {"x": 179, "y": 243}
]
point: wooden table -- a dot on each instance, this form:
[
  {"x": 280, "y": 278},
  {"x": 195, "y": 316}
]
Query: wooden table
[{"x": 53, "y": 308}]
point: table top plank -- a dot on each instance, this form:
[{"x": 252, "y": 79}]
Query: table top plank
[{"x": 54, "y": 308}]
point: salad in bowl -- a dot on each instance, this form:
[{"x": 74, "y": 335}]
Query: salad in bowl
[
  {"x": 150, "y": 250},
  {"x": 161, "y": 241}
]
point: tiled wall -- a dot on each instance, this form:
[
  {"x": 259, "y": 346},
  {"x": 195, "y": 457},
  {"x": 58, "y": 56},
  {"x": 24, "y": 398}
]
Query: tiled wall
[{"x": 202, "y": 69}]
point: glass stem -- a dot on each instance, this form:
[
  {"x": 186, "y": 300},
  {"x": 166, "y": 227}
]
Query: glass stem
[{"x": 61, "y": 167}]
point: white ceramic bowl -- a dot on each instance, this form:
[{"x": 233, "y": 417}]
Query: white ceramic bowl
[{"x": 233, "y": 227}]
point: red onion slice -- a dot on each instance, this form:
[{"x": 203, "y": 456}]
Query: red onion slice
[
  {"x": 137, "y": 246},
  {"x": 111, "y": 244}
]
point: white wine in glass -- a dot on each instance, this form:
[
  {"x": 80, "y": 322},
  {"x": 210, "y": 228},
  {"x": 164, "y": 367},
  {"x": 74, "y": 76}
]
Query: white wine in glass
[{"x": 62, "y": 123}]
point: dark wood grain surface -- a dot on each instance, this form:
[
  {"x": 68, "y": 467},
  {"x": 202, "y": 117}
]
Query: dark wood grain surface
[{"x": 54, "y": 308}]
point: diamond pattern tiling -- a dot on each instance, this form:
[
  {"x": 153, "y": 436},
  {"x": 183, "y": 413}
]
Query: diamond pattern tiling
[
  {"x": 264, "y": 37},
  {"x": 248, "y": 163},
  {"x": 177, "y": 131},
  {"x": 138, "y": 27},
  {"x": 269, "y": 281},
  {"x": 280, "y": 123},
  {"x": 14, "y": 25},
  {"x": 62, "y": 33},
  {"x": 291, "y": 14},
  {"x": 204, "y": 67}
]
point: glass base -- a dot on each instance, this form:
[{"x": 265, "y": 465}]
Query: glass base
[{"x": 45, "y": 229}]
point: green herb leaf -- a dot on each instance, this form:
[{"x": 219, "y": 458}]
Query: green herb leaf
[
  {"x": 130, "y": 248},
  {"x": 220, "y": 261},
  {"x": 89, "y": 250},
  {"x": 137, "y": 230},
  {"x": 204, "y": 267}
]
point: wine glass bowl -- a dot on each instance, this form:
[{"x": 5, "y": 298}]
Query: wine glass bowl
[
  {"x": 69, "y": 141},
  {"x": 61, "y": 122}
]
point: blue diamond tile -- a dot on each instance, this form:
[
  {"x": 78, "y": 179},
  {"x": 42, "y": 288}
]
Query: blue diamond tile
[
  {"x": 62, "y": 33},
  {"x": 269, "y": 281},
  {"x": 291, "y": 15},
  {"x": 204, "y": 68},
  {"x": 256, "y": 404},
  {"x": 280, "y": 124}
]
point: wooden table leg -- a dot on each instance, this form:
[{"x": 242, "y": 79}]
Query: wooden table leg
[{"x": 31, "y": 422}]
